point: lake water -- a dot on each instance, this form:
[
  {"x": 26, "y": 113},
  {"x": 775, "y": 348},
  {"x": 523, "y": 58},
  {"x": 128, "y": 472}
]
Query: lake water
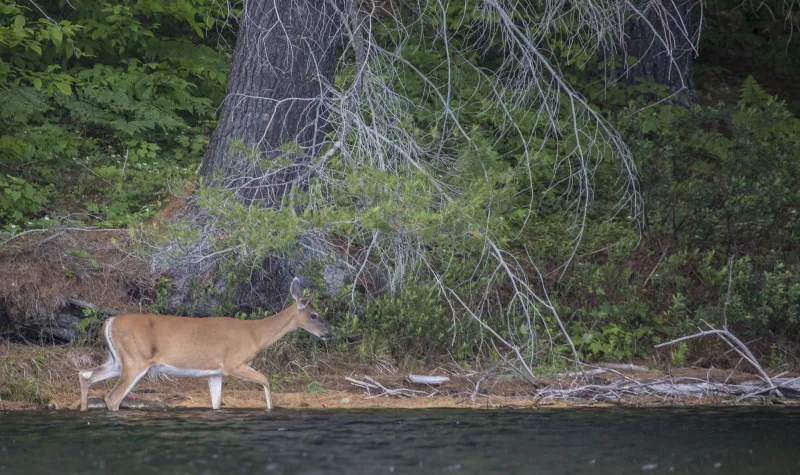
[{"x": 757, "y": 440}]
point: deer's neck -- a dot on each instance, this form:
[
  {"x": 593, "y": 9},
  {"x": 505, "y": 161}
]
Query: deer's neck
[{"x": 271, "y": 329}]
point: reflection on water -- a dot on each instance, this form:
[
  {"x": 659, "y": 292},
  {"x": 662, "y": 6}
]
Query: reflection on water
[{"x": 761, "y": 440}]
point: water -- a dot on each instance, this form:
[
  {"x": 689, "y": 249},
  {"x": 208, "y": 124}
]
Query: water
[{"x": 761, "y": 440}]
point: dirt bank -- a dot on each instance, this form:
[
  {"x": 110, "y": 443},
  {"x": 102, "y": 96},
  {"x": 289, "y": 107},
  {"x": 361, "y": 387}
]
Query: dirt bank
[{"x": 35, "y": 377}]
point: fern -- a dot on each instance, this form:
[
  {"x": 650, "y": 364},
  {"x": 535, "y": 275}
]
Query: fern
[{"x": 752, "y": 93}]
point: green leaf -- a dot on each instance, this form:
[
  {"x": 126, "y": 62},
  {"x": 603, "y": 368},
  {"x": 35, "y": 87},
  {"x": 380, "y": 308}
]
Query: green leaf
[
  {"x": 197, "y": 28},
  {"x": 36, "y": 48},
  {"x": 37, "y": 83},
  {"x": 19, "y": 21},
  {"x": 56, "y": 36},
  {"x": 64, "y": 87}
]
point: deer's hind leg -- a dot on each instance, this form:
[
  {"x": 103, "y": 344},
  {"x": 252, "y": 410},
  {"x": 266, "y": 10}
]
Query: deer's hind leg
[
  {"x": 110, "y": 369},
  {"x": 130, "y": 376}
]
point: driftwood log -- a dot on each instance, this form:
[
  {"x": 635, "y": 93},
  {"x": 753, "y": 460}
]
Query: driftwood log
[{"x": 429, "y": 380}]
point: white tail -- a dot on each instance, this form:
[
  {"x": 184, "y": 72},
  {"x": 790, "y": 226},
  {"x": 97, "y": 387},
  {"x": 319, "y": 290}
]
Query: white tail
[{"x": 195, "y": 347}]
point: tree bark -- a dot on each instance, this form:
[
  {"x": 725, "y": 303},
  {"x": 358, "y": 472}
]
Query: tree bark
[
  {"x": 283, "y": 66},
  {"x": 278, "y": 86},
  {"x": 661, "y": 37}
]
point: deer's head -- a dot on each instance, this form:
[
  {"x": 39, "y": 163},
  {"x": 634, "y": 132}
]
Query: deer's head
[{"x": 305, "y": 315}]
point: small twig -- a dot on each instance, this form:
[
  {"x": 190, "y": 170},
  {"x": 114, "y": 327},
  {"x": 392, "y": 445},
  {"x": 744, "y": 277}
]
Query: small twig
[
  {"x": 124, "y": 165},
  {"x": 728, "y": 296},
  {"x": 655, "y": 267},
  {"x": 58, "y": 232},
  {"x": 625, "y": 367}
]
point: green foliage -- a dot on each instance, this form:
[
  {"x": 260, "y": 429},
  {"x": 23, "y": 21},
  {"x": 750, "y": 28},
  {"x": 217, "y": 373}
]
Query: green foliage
[
  {"x": 102, "y": 111},
  {"x": 740, "y": 41},
  {"x": 723, "y": 177},
  {"x": 315, "y": 387},
  {"x": 679, "y": 357},
  {"x": 415, "y": 320},
  {"x": 18, "y": 198},
  {"x": 107, "y": 106},
  {"x": 718, "y": 181}
]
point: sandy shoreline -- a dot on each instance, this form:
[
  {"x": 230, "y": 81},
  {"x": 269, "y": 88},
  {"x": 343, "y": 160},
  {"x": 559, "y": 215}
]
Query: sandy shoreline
[{"x": 37, "y": 378}]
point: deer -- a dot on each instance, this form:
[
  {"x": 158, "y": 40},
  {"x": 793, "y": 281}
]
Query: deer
[{"x": 210, "y": 347}]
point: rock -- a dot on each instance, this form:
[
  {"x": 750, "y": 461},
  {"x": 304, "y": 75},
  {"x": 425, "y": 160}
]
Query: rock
[
  {"x": 335, "y": 276},
  {"x": 97, "y": 402},
  {"x": 129, "y": 402},
  {"x": 145, "y": 404},
  {"x": 62, "y": 328}
]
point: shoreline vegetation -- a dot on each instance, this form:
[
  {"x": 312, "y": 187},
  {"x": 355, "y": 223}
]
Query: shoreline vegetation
[
  {"x": 582, "y": 224},
  {"x": 46, "y": 377},
  {"x": 37, "y": 376}
]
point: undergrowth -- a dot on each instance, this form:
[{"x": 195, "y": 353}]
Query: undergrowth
[{"x": 111, "y": 107}]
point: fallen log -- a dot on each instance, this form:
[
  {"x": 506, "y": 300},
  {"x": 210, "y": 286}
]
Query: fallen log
[{"x": 429, "y": 380}]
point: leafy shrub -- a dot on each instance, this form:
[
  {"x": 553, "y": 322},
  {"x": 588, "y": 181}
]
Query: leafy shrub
[
  {"x": 18, "y": 199},
  {"x": 108, "y": 106},
  {"x": 718, "y": 181},
  {"x": 724, "y": 177}
]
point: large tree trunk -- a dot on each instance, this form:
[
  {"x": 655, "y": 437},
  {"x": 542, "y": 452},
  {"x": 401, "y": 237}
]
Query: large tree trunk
[
  {"x": 284, "y": 63},
  {"x": 272, "y": 122},
  {"x": 662, "y": 39}
]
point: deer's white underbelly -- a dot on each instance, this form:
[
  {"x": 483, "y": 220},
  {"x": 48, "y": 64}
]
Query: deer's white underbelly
[{"x": 183, "y": 372}]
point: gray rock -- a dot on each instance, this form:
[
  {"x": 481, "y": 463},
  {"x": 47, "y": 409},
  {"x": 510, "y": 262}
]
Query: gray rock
[
  {"x": 67, "y": 321},
  {"x": 62, "y": 328},
  {"x": 129, "y": 402}
]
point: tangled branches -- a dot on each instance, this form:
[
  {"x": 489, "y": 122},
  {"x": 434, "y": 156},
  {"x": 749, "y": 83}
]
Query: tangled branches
[{"x": 387, "y": 169}]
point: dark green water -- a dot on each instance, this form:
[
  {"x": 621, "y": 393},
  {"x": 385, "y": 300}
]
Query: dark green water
[{"x": 760, "y": 441}]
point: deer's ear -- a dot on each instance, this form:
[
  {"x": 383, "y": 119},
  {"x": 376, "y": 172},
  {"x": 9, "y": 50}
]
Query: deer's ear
[{"x": 296, "y": 289}]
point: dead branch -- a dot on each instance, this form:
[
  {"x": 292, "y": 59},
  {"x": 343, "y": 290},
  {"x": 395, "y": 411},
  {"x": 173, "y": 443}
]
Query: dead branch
[
  {"x": 731, "y": 340},
  {"x": 369, "y": 384},
  {"x": 624, "y": 367},
  {"x": 675, "y": 388},
  {"x": 58, "y": 232}
]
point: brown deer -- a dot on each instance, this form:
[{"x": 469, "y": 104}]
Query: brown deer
[{"x": 195, "y": 347}]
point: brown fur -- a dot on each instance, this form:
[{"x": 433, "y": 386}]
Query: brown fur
[{"x": 222, "y": 345}]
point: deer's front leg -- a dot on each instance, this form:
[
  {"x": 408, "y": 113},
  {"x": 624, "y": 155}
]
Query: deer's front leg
[
  {"x": 249, "y": 374},
  {"x": 215, "y": 387}
]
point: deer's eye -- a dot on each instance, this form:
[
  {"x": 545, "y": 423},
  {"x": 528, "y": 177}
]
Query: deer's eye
[{"x": 314, "y": 316}]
